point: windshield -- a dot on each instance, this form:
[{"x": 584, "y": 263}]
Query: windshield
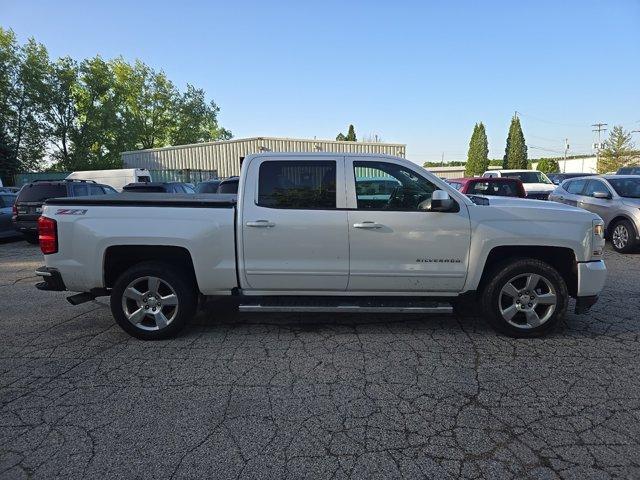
[
  {"x": 528, "y": 177},
  {"x": 626, "y": 187}
]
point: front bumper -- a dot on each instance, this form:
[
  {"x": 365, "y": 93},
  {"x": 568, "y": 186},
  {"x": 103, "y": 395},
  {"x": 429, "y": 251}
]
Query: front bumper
[
  {"x": 52, "y": 280},
  {"x": 591, "y": 278}
]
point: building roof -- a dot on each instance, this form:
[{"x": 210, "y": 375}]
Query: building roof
[{"x": 249, "y": 139}]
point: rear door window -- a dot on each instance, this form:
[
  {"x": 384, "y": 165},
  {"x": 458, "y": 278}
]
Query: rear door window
[
  {"x": 298, "y": 185},
  {"x": 38, "y": 192},
  {"x": 575, "y": 186}
]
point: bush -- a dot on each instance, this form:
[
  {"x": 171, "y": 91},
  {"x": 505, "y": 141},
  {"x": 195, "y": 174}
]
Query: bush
[{"x": 548, "y": 165}]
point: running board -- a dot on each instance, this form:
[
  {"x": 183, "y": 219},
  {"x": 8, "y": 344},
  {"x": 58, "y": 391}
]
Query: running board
[{"x": 343, "y": 305}]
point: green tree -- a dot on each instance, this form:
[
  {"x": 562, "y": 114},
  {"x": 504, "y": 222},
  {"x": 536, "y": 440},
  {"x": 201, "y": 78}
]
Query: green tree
[
  {"x": 618, "y": 149},
  {"x": 351, "y": 134},
  {"x": 196, "y": 120},
  {"x": 515, "y": 155},
  {"x": 548, "y": 165},
  {"x": 60, "y": 113},
  {"x": 96, "y": 129},
  {"x": 21, "y": 83},
  {"x": 478, "y": 156},
  {"x": 349, "y": 137},
  {"x": 8, "y": 161}
]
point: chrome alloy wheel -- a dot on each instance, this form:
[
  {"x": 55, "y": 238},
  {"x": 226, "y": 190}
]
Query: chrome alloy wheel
[
  {"x": 527, "y": 301},
  {"x": 620, "y": 237},
  {"x": 150, "y": 303}
]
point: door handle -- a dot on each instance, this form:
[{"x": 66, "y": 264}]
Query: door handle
[
  {"x": 367, "y": 225},
  {"x": 261, "y": 224}
]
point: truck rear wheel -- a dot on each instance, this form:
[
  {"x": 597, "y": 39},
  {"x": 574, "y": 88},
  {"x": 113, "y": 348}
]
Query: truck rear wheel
[
  {"x": 153, "y": 300},
  {"x": 525, "y": 298}
]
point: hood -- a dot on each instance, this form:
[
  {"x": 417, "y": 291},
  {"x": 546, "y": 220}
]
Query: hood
[
  {"x": 539, "y": 187},
  {"x": 537, "y": 209},
  {"x": 526, "y": 202}
]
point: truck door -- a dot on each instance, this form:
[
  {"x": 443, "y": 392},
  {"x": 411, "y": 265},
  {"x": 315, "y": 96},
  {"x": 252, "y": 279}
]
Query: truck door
[
  {"x": 394, "y": 245},
  {"x": 294, "y": 225}
]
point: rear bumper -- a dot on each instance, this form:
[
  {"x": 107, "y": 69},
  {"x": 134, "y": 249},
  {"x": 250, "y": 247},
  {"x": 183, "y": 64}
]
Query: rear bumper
[
  {"x": 591, "y": 278},
  {"x": 52, "y": 280},
  {"x": 26, "y": 226}
]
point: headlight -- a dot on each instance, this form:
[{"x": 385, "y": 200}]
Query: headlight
[
  {"x": 597, "y": 240},
  {"x": 598, "y": 230}
]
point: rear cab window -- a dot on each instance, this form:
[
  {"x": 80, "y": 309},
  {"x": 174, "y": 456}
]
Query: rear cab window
[
  {"x": 39, "y": 192},
  {"x": 305, "y": 185},
  {"x": 502, "y": 188}
]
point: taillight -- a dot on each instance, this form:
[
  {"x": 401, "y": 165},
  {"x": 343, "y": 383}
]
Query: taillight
[
  {"x": 48, "y": 235},
  {"x": 14, "y": 210}
]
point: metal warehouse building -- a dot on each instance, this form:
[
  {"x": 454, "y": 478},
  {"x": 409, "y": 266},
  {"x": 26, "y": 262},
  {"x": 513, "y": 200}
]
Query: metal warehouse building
[{"x": 225, "y": 157}]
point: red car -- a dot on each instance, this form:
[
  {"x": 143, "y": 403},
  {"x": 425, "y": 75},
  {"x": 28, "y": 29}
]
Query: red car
[{"x": 498, "y": 186}]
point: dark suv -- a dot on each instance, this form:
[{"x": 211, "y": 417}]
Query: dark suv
[{"x": 28, "y": 206}]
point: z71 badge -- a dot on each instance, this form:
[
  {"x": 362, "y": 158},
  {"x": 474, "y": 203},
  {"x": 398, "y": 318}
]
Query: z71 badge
[{"x": 70, "y": 211}]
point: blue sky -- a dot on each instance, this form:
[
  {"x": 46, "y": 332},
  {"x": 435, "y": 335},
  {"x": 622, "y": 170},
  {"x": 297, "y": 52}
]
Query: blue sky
[{"x": 420, "y": 73}]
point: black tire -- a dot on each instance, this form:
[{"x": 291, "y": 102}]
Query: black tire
[
  {"x": 32, "y": 238},
  {"x": 520, "y": 273},
  {"x": 172, "y": 281},
  {"x": 623, "y": 236}
]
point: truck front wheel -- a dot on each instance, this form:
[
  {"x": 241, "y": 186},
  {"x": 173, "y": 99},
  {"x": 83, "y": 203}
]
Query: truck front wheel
[
  {"x": 525, "y": 298},
  {"x": 153, "y": 300}
]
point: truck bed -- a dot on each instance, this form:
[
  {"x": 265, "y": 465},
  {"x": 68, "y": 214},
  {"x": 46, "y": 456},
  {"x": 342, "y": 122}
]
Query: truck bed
[{"x": 206, "y": 200}]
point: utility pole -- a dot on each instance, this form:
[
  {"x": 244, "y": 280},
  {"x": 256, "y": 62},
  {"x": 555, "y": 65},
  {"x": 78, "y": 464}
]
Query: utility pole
[
  {"x": 442, "y": 161},
  {"x": 566, "y": 149},
  {"x": 599, "y": 128}
]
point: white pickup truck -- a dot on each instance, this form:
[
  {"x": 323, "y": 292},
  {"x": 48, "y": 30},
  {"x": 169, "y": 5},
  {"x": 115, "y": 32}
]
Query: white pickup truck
[{"x": 320, "y": 232}]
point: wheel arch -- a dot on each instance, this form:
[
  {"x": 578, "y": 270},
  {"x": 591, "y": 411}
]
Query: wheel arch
[
  {"x": 118, "y": 258},
  {"x": 563, "y": 259},
  {"x": 617, "y": 219}
]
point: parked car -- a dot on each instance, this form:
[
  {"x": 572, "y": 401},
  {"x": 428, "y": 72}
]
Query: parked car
[
  {"x": 28, "y": 205},
  {"x": 116, "y": 178},
  {"x": 208, "y": 186},
  {"x": 635, "y": 170},
  {"x": 558, "y": 178},
  {"x": 229, "y": 185},
  {"x": 7, "y": 200},
  {"x": 495, "y": 186},
  {"x": 536, "y": 184},
  {"x": 301, "y": 238},
  {"x": 158, "y": 187},
  {"x": 615, "y": 198}
]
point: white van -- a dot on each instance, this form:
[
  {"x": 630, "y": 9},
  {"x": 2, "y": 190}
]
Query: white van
[{"x": 116, "y": 178}]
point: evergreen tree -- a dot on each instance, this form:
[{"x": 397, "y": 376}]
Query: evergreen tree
[
  {"x": 515, "y": 154},
  {"x": 340, "y": 137},
  {"x": 617, "y": 149},
  {"x": 351, "y": 134},
  {"x": 478, "y": 157}
]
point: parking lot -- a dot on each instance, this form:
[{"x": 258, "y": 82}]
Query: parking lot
[{"x": 315, "y": 396}]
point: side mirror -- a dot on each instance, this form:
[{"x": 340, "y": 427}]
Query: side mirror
[
  {"x": 440, "y": 201},
  {"x": 604, "y": 195}
]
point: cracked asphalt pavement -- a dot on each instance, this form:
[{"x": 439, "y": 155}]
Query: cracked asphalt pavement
[{"x": 315, "y": 396}]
